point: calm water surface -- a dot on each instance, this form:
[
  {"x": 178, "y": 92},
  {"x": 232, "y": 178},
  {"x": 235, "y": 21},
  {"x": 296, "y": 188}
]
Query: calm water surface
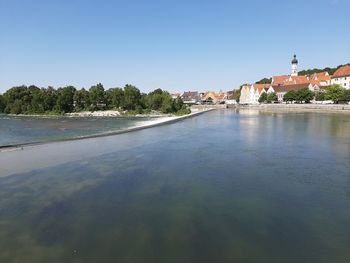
[
  {"x": 16, "y": 130},
  {"x": 225, "y": 186}
]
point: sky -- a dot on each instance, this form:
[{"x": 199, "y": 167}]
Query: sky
[{"x": 178, "y": 45}]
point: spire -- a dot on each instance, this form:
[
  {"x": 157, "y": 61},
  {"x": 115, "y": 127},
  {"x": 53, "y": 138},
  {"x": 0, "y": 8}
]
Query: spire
[
  {"x": 294, "y": 66},
  {"x": 295, "y": 61}
]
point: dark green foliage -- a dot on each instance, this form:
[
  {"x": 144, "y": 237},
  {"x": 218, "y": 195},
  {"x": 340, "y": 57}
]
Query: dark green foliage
[
  {"x": 183, "y": 111},
  {"x": 37, "y": 100},
  {"x": 300, "y": 96},
  {"x": 320, "y": 96},
  {"x": 263, "y": 98},
  {"x": 49, "y": 98},
  {"x": 97, "y": 97},
  {"x": 264, "y": 81},
  {"x": 17, "y": 100},
  {"x": 65, "y": 101},
  {"x": 81, "y": 99},
  {"x": 304, "y": 95},
  {"x": 2, "y": 104},
  {"x": 346, "y": 95},
  {"x": 115, "y": 97},
  {"x": 238, "y": 94},
  {"x": 290, "y": 96},
  {"x": 316, "y": 70},
  {"x": 178, "y": 104},
  {"x": 132, "y": 97},
  {"x": 272, "y": 97},
  {"x": 336, "y": 93},
  {"x": 33, "y": 100}
]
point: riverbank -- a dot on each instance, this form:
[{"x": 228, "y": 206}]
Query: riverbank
[
  {"x": 328, "y": 108},
  {"x": 158, "y": 120}
]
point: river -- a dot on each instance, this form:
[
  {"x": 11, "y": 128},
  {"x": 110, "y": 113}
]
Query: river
[{"x": 224, "y": 186}]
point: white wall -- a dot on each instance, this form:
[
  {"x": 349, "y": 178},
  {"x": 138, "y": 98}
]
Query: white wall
[{"x": 342, "y": 81}]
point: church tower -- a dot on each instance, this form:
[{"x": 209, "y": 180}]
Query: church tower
[{"x": 295, "y": 66}]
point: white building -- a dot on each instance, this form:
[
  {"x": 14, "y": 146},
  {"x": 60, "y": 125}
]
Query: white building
[
  {"x": 250, "y": 94},
  {"x": 342, "y": 77}
]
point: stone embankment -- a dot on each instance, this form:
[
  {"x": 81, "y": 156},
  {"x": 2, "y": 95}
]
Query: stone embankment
[
  {"x": 207, "y": 107},
  {"x": 345, "y": 108}
]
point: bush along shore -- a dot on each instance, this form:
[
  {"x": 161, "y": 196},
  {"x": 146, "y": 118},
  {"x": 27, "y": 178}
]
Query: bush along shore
[{"x": 96, "y": 101}]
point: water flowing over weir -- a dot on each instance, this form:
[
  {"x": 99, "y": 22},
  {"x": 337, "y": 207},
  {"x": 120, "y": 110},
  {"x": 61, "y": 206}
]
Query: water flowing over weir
[{"x": 225, "y": 186}]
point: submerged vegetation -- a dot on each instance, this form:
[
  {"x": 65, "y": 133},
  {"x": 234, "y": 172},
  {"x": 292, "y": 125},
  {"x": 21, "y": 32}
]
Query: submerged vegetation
[{"x": 35, "y": 100}]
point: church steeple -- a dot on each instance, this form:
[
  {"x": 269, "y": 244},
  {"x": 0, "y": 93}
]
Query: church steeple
[{"x": 295, "y": 66}]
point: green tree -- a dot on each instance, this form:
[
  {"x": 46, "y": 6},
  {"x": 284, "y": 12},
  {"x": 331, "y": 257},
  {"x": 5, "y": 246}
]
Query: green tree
[
  {"x": 81, "y": 99},
  {"x": 290, "y": 96},
  {"x": 272, "y": 97},
  {"x": 132, "y": 97},
  {"x": 178, "y": 104},
  {"x": 65, "y": 102},
  {"x": 263, "y": 97},
  {"x": 2, "y": 104},
  {"x": 97, "y": 96},
  {"x": 49, "y": 98},
  {"x": 183, "y": 111},
  {"x": 167, "y": 103},
  {"x": 155, "y": 99},
  {"x": 320, "y": 96},
  {"x": 237, "y": 95},
  {"x": 264, "y": 81},
  {"x": 304, "y": 95},
  {"x": 36, "y": 100},
  {"x": 115, "y": 97},
  {"x": 334, "y": 93},
  {"x": 17, "y": 100},
  {"x": 346, "y": 95}
]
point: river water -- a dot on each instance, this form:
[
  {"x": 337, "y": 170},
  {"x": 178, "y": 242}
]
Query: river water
[
  {"x": 225, "y": 186},
  {"x": 16, "y": 130}
]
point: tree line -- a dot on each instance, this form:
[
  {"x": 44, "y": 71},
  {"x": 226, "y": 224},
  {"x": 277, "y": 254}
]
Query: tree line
[{"x": 35, "y": 100}]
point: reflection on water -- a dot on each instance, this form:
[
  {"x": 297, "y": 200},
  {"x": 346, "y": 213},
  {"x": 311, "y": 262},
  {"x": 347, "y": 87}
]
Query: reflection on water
[{"x": 225, "y": 187}]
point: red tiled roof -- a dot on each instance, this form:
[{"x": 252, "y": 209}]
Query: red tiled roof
[
  {"x": 190, "y": 94},
  {"x": 285, "y": 88},
  {"x": 279, "y": 79},
  {"x": 260, "y": 87},
  {"x": 342, "y": 72},
  {"x": 289, "y": 80},
  {"x": 320, "y": 77}
]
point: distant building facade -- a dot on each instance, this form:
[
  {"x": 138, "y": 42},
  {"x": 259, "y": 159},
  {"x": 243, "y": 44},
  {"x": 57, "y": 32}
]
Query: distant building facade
[
  {"x": 190, "y": 97},
  {"x": 250, "y": 94},
  {"x": 342, "y": 77}
]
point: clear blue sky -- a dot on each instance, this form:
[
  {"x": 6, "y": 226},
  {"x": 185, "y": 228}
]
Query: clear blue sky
[{"x": 174, "y": 45}]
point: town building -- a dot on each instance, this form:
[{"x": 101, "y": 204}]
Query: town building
[
  {"x": 342, "y": 77},
  {"x": 212, "y": 97},
  {"x": 281, "y": 90},
  {"x": 190, "y": 97},
  {"x": 250, "y": 94}
]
